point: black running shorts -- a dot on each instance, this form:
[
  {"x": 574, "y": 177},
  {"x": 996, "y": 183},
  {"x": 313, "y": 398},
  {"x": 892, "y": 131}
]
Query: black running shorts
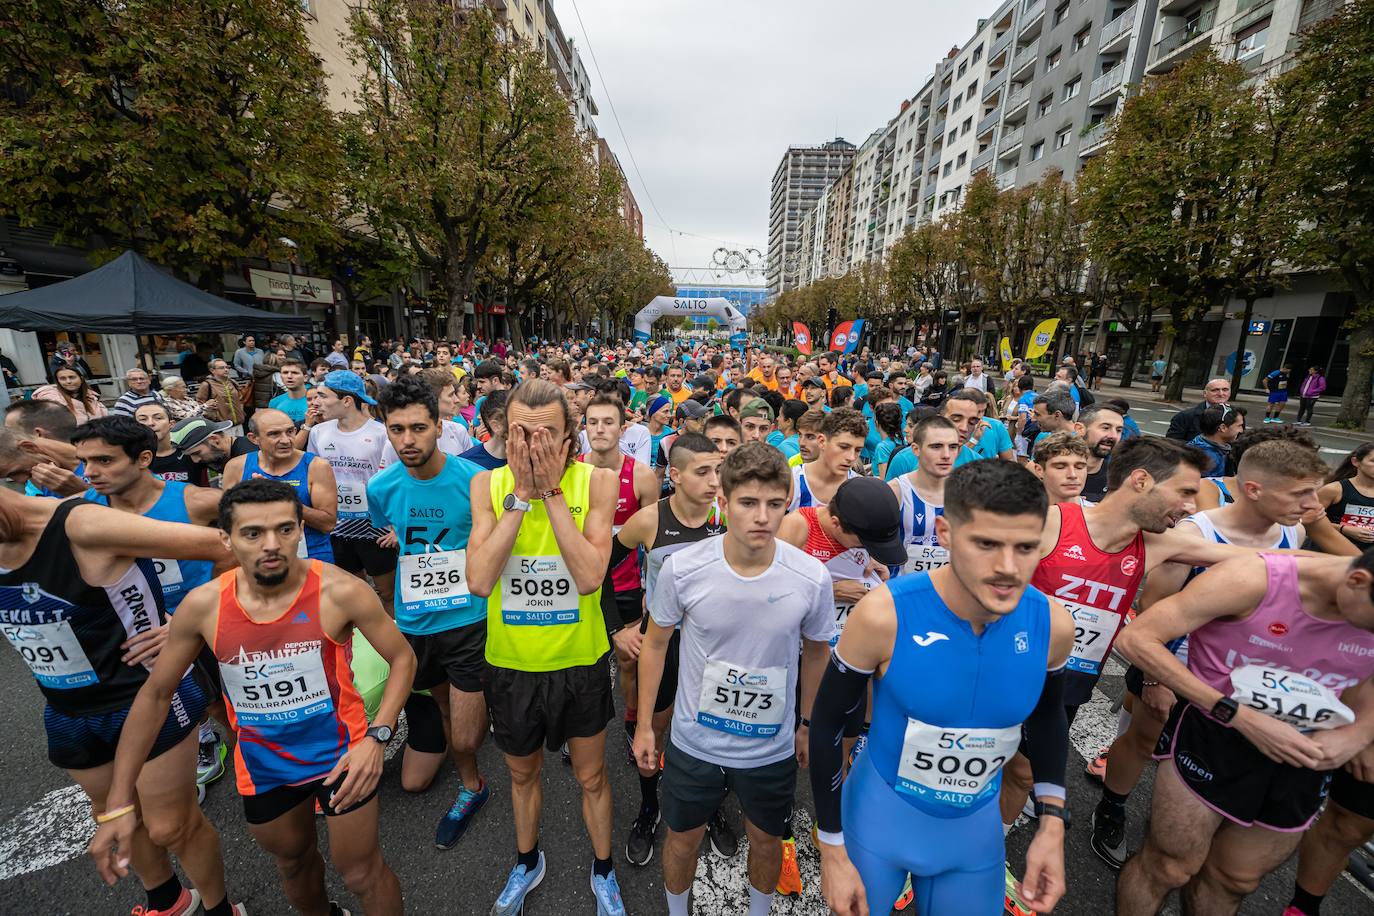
[
  {"x": 357, "y": 555},
  {"x": 1230, "y": 775},
  {"x": 457, "y": 657},
  {"x": 692, "y": 789},
  {"x": 1353, "y": 795},
  {"x": 266, "y": 807},
  {"x": 533, "y": 708}
]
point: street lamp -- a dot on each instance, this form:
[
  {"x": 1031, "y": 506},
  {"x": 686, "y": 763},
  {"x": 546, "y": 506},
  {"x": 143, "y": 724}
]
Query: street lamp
[{"x": 291, "y": 272}]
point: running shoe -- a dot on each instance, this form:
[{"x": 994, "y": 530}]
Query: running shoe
[
  {"x": 607, "y": 893},
  {"x": 187, "y": 903},
  {"x": 210, "y": 761},
  {"x": 511, "y": 901},
  {"x": 1012, "y": 904},
  {"x": 639, "y": 846},
  {"x": 1292, "y": 910},
  {"x": 200, "y": 794},
  {"x": 336, "y": 910},
  {"x": 455, "y": 823},
  {"x": 789, "y": 879},
  {"x": 908, "y": 895},
  {"x": 724, "y": 840},
  {"x": 565, "y": 754},
  {"x": 1109, "y": 837},
  {"x": 1096, "y": 769}
]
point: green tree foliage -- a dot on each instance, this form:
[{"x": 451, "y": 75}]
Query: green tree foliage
[
  {"x": 1332, "y": 85},
  {"x": 195, "y": 131}
]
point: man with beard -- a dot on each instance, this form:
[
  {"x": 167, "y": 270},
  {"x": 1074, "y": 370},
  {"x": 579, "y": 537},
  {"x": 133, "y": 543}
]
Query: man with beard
[
  {"x": 210, "y": 444},
  {"x": 425, "y": 500},
  {"x": 303, "y": 735},
  {"x": 1101, "y": 428}
]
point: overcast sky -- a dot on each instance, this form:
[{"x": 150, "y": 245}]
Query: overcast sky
[{"x": 710, "y": 94}]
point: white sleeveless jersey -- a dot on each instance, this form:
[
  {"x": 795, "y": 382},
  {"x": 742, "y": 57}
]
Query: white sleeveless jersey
[
  {"x": 923, "y": 549},
  {"x": 356, "y": 458}
]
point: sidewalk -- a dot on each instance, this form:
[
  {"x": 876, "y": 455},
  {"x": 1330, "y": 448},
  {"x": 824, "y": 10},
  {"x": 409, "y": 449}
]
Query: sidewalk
[{"x": 1140, "y": 395}]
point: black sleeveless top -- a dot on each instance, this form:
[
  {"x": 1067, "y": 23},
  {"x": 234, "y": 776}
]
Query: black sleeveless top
[
  {"x": 69, "y": 632},
  {"x": 1353, "y": 508}
]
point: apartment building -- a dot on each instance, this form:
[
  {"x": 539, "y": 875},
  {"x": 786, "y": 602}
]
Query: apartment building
[
  {"x": 566, "y": 64},
  {"x": 801, "y": 176}
]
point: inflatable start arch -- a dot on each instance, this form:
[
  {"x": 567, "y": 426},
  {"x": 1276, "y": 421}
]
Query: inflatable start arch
[{"x": 673, "y": 307}]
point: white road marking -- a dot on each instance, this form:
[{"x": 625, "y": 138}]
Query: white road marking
[{"x": 52, "y": 830}]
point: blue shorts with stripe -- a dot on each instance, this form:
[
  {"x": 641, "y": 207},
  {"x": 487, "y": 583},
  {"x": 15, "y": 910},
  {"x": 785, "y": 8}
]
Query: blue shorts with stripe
[{"x": 85, "y": 742}]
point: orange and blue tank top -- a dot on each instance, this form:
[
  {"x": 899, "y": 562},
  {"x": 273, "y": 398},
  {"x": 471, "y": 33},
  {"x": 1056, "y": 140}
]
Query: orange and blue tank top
[{"x": 288, "y": 688}]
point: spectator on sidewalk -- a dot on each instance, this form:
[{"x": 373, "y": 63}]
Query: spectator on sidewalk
[
  {"x": 1311, "y": 388},
  {"x": 67, "y": 358},
  {"x": 71, "y": 391},
  {"x": 220, "y": 396},
  {"x": 1157, "y": 372},
  {"x": 178, "y": 401},
  {"x": 140, "y": 392},
  {"x": 247, "y": 356},
  {"x": 1100, "y": 370},
  {"x": 1184, "y": 425}
]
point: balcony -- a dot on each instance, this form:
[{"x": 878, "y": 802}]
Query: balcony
[
  {"x": 1001, "y": 44},
  {"x": 1115, "y": 31},
  {"x": 1107, "y": 83},
  {"x": 982, "y": 160},
  {"x": 1025, "y": 57},
  {"x": 988, "y": 123},
  {"x": 1094, "y": 138},
  {"x": 944, "y": 100},
  {"x": 1017, "y": 102},
  {"x": 1031, "y": 18},
  {"x": 1176, "y": 46},
  {"x": 1006, "y": 180},
  {"x": 994, "y": 85},
  {"x": 1011, "y": 141}
]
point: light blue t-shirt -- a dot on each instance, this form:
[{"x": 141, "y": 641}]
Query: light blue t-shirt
[
  {"x": 775, "y": 439},
  {"x": 433, "y": 519},
  {"x": 292, "y": 407},
  {"x": 994, "y": 439},
  {"x": 790, "y": 446},
  {"x": 882, "y": 454},
  {"x": 905, "y": 462}
]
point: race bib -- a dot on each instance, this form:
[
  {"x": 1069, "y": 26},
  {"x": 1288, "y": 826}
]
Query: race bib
[
  {"x": 1093, "y": 632},
  {"x": 1289, "y": 697},
  {"x": 957, "y": 767},
  {"x": 168, "y": 572},
  {"x": 1358, "y": 515},
  {"x": 749, "y": 702},
  {"x": 440, "y": 577},
  {"x": 278, "y": 691},
  {"x": 53, "y": 654},
  {"x": 352, "y": 499},
  {"x": 538, "y": 591},
  {"x": 841, "y": 615},
  {"x": 922, "y": 558}
]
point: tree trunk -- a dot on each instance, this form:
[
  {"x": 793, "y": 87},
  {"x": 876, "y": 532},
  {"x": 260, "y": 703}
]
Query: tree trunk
[
  {"x": 1131, "y": 356},
  {"x": 1238, "y": 365},
  {"x": 1355, "y": 401},
  {"x": 1185, "y": 338}
]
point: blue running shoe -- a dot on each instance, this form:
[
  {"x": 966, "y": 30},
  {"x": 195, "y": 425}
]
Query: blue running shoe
[
  {"x": 518, "y": 885},
  {"x": 455, "y": 823},
  {"x": 607, "y": 892}
]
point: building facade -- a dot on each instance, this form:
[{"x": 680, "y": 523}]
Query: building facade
[{"x": 801, "y": 177}]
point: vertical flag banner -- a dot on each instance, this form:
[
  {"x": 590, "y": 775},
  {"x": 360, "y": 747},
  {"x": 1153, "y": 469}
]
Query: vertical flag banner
[
  {"x": 840, "y": 338},
  {"x": 852, "y": 339},
  {"x": 1005, "y": 348},
  {"x": 802, "y": 337},
  {"x": 1041, "y": 337}
]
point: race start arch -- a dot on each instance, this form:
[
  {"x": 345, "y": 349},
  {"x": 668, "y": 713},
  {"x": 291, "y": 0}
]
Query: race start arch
[{"x": 675, "y": 307}]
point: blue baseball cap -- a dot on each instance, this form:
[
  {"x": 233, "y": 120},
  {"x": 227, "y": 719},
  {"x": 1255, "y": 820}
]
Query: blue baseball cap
[{"x": 345, "y": 381}]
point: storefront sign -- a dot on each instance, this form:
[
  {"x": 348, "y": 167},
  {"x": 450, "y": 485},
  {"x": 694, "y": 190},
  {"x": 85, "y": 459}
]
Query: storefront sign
[
  {"x": 1259, "y": 327},
  {"x": 274, "y": 284}
]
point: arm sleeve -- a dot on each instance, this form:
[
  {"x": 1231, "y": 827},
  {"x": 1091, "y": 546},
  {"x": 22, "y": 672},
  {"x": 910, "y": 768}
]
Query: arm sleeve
[
  {"x": 1046, "y": 737},
  {"x": 842, "y": 690}
]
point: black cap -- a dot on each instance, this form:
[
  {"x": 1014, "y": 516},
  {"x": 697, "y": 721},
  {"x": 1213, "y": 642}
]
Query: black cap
[
  {"x": 813, "y": 382},
  {"x": 868, "y": 507},
  {"x": 704, "y": 381}
]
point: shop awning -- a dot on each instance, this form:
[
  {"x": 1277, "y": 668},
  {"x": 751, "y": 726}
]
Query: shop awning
[{"x": 131, "y": 296}]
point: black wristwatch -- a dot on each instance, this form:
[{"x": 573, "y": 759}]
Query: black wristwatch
[
  {"x": 1050, "y": 810},
  {"x": 1225, "y": 710},
  {"x": 382, "y": 733}
]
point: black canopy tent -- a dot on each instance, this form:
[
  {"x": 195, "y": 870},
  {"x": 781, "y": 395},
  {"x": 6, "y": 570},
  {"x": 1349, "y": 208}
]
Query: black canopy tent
[{"x": 131, "y": 296}]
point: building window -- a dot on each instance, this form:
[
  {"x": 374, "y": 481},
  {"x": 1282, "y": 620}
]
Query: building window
[
  {"x": 1080, "y": 40},
  {"x": 978, "y": 53},
  {"x": 1061, "y": 139},
  {"x": 1037, "y": 151},
  {"x": 954, "y": 105},
  {"x": 1045, "y": 107},
  {"x": 972, "y": 89},
  {"x": 967, "y": 125},
  {"x": 963, "y": 67},
  {"x": 1072, "y": 86},
  {"x": 963, "y": 157},
  {"x": 949, "y": 167},
  {"x": 308, "y": 7},
  {"x": 1250, "y": 41},
  {"x": 1053, "y": 59},
  {"x": 954, "y": 135},
  {"x": 1061, "y": 12}
]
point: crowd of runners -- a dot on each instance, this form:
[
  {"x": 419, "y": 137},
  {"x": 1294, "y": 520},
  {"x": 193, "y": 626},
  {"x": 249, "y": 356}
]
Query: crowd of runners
[{"x": 903, "y": 578}]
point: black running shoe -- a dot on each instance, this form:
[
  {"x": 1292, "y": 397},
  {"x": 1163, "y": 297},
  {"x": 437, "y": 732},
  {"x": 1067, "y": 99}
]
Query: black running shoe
[
  {"x": 1109, "y": 837},
  {"x": 723, "y": 838},
  {"x": 639, "y": 846}
]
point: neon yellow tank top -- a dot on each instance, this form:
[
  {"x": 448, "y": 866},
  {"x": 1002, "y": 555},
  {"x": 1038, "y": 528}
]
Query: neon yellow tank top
[{"x": 536, "y": 621}]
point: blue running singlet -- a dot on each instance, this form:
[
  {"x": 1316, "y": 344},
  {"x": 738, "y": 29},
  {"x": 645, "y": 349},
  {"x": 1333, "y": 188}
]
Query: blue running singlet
[{"x": 317, "y": 544}]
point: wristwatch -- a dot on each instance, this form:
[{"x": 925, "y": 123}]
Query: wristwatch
[
  {"x": 382, "y": 733},
  {"x": 550, "y": 494},
  {"x": 1043, "y": 809},
  {"x": 513, "y": 503},
  {"x": 1225, "y": 710}
]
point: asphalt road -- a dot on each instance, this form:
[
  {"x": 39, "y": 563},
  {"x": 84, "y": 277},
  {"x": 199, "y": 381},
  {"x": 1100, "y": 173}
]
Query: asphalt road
[{"x": 44, "y": 828}]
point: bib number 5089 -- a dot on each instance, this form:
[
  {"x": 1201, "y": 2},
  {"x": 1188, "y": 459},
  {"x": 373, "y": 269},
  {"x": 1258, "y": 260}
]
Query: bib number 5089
[{"x": 539, "y": 588}]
